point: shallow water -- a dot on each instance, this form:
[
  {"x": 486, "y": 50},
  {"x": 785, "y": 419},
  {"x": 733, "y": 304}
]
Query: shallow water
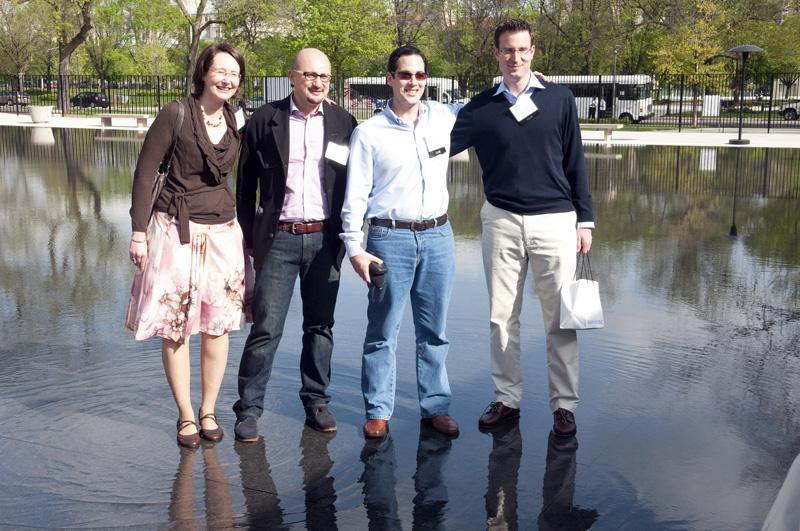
[{"x": 690, "y": 396}]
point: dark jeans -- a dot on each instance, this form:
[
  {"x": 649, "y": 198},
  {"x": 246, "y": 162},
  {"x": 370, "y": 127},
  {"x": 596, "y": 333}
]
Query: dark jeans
[{"x": 312, "y": 257}]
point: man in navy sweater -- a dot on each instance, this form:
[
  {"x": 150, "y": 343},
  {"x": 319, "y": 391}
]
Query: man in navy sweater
[{"x": 537, "y": 215}]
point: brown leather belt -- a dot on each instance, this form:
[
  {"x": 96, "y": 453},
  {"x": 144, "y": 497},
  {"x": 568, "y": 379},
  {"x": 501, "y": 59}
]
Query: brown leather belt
[
  {"x": 423, "y": 224},
  {"x": 301, "y": 227}
]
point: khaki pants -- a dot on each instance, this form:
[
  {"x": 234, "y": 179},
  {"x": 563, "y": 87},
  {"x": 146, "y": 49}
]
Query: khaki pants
[{"x": 511, "y": 244}]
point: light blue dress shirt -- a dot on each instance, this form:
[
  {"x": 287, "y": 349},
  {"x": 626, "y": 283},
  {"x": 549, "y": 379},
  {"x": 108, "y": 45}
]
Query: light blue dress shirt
[{"x": 397, "y": 170}]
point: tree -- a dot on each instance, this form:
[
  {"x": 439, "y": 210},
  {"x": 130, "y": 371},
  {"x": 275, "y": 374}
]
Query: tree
[
  {"x": 198, "y": 23},
  {"x": 72, "y": 20},
  {"x": 21, "y": 35},
  {"x": 351, "y": 42},
  {"x": 411, "y": 19},
  {"x": 466, "y": 37},
  {"x": 156, "y": 36},
  {"x": 108, "y": 42}
]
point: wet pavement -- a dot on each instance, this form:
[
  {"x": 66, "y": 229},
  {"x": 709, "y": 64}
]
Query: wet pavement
[{"x": 690, "y": 412}]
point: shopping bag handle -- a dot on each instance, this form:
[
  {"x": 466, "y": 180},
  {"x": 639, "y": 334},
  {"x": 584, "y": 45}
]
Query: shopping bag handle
[{"x": 583, "y": 267}]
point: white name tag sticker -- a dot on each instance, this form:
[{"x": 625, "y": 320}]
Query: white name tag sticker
[
  {"x": 523, "y": 108},
  {"x": 239, "y": 119},
  {"x": 337, "y": 153},
  {"x": 434, "y": 147}
]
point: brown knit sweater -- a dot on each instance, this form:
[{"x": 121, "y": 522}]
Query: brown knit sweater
[{"x": 196, "y": 188}]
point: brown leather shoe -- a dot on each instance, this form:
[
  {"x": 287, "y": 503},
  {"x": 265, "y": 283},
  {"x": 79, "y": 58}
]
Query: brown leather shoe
[
  {"x": 497, "y": 413},
  {"x": 191, "y": 440},
  {"x": 444, "y": 424},
  {"x": 214, "y": 434},
  {"x": 564, "y": 423},
  {"x": 376, "y": 428}
]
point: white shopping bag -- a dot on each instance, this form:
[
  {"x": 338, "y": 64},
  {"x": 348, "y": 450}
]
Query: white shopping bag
[{"x": 580, "y": 302}]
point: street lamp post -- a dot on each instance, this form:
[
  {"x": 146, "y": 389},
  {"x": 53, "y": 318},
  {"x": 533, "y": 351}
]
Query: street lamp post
[{"x": 745, "y": 50}]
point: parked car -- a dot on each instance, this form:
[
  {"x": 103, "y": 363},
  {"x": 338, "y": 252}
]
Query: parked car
[
  {"x": 14, "y": 98},
  {"x": 791, "y": 110},
  {"x": 89, "y": 99}
]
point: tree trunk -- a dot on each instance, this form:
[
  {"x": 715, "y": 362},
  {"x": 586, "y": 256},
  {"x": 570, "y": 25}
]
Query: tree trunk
[
  {"x": 191, "y": 57},
  {"x": 65, "y": 50},
  {"x": 63, "y": 85}
]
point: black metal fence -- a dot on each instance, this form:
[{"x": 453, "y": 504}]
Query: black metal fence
[{"x": 679, "y": 100}]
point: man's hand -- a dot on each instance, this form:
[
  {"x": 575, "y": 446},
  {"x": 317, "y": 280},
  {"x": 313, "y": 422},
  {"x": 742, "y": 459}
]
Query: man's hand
[
  {"x": 361, "y": 263},
  {"x": 584, "y": 240},
  {"x": 542, "y": 77}
]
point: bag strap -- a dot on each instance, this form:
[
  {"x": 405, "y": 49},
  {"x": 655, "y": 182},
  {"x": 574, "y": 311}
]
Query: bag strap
[
  {"x": 167, "y": 162},
  {"x": 583, "y": 267}
]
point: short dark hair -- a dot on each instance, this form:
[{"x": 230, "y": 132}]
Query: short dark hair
[
  {"x": 513, "y": 25},
  {"x": 204, "y": 63},
  {"x": 402, "y": 51}
]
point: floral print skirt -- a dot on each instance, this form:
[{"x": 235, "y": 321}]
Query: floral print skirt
[{"x": 185, "y": 289}]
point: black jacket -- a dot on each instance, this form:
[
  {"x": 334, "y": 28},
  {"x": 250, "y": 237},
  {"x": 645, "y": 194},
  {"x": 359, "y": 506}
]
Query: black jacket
[{"x": 263, "y": 166}]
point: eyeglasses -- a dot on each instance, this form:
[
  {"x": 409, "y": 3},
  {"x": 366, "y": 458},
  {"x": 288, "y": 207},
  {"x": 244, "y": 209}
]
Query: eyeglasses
[
  {"x": 522, "y": 52},
  {"x": 221, "y": 73},
  {"x": 405, "y": 75},
  {"x": 311, "y": 76}
]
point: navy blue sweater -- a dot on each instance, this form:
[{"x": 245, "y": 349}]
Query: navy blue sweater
[{"x": 533, "y": 167}]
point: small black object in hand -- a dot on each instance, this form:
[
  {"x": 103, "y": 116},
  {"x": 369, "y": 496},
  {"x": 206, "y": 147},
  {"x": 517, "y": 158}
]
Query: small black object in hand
[{"x": 377, "y": 274}]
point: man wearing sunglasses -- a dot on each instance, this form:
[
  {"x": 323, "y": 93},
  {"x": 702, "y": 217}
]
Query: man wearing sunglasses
[
  {"x": 294, "y": 160},
  {"x": 537, "y": 214},
  {"x": 397, "y": 182}
]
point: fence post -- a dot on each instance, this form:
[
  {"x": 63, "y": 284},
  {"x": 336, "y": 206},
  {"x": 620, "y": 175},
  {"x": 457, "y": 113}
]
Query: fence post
[
  {"x": 158, "y": 93},
  {"x": 771, "y": 96},
  {"x": 680, "y": 103}
]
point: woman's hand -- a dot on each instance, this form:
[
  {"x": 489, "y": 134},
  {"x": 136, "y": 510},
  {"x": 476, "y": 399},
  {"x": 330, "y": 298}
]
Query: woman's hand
[{"x": 138, "y": 250}]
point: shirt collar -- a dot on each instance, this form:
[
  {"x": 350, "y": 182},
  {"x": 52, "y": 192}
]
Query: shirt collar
[
  {"x": 423, "y": 110},
  {"x": 533, "y": 83},
  {"x": 294, "y": 108}
]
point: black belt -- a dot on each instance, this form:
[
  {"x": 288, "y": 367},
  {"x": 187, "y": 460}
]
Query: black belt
[
  {"x": 423, "y": 224},
  {"x": 301, "y": 227}
]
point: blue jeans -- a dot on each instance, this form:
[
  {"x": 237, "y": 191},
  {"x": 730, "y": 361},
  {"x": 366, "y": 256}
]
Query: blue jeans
[
  {"x": 421, "y": 264},
  {"x": 312, "y": 258}
]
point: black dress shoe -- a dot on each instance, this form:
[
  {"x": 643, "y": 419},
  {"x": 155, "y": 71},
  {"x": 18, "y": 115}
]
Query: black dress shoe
[
  {"x": 564, "y": 423},
  {"x": 321, "y": 419},
  {"x": 495, "y": 414}
]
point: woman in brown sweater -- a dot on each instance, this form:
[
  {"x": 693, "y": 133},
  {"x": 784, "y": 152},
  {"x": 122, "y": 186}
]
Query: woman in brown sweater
[{"x": 188, "y": 253}]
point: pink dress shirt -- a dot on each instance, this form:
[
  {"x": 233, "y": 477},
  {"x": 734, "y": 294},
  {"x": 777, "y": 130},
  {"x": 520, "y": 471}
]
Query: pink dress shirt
[{"x": 305, "y": 198}]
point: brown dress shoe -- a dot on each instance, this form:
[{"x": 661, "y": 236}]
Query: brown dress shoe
[
  {"x": 191, "y": 440},
  {"x": 376, "y": 428},
  {"x": 495, "y": 414},
  {"x": 214, "y": 434},
  {"x": 443, "y": 424},
  {"x": 564, "y": 423}
]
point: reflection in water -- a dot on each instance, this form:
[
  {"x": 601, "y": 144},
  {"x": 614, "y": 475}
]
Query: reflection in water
[
  {"x": 430, "y": 501},
  {"x": 378, "y": 484},
  {"x": 501, "y": 492},
  {"x": 698, "y": 321},
  {"x": 260, "y": 493},
  {"x": 320, "y": 496},
  {"x": 558, "y": 490},
  {"x": 216, "y": 493}
]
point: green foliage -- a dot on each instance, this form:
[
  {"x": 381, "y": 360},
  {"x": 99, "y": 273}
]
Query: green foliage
[{"x": 353, "y": 33}]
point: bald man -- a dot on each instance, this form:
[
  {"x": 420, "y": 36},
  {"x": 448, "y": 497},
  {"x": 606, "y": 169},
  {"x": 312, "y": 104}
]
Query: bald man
[{"x": 289, "y": 196}]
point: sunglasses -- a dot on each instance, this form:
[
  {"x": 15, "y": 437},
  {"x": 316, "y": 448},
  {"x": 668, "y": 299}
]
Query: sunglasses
[{"x": 404, "y": 75}]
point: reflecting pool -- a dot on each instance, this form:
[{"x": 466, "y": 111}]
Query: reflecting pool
[{"x": 690, "y": 413}]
